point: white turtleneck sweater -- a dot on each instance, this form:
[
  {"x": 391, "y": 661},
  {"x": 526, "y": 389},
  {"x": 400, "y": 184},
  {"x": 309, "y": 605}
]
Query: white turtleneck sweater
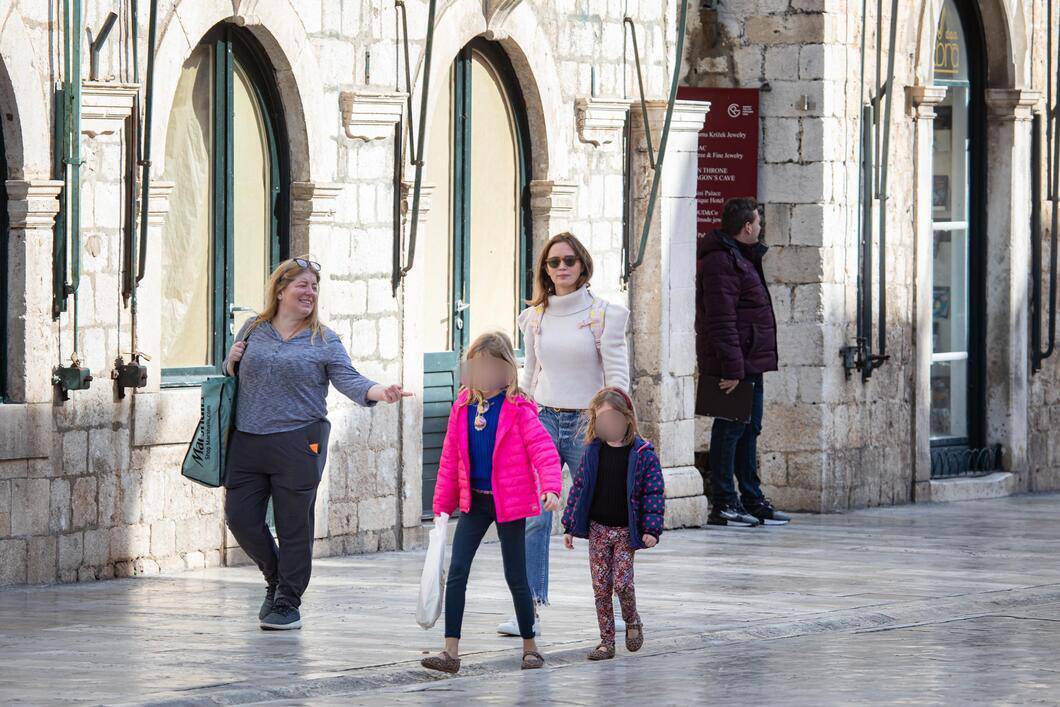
[{"x": 572, "y": 370}]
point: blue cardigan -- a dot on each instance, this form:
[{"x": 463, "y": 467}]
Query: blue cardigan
[{"x": 644, "y": 484}]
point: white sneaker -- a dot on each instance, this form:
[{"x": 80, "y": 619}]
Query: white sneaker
[{"x": 511, "y": 627}]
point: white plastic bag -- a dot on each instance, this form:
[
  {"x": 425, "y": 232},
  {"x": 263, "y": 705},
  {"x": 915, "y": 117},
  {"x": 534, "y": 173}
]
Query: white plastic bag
[{"x": 432, "y": 581}]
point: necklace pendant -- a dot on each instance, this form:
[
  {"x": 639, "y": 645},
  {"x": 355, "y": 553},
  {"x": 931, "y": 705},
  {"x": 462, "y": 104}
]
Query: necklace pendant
[{"x": 480, "y": 422}]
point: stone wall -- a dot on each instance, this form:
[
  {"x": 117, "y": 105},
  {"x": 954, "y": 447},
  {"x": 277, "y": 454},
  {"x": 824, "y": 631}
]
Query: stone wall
[
  {"x": 90, "y": 488},
  {"x": 833, "y": 442}
]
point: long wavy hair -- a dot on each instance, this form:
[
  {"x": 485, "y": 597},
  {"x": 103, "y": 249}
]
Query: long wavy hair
[
  {"x": 543, "y": 285},
  {"x": 281, "y": 277},
  {"x": 498, "y": 345}
]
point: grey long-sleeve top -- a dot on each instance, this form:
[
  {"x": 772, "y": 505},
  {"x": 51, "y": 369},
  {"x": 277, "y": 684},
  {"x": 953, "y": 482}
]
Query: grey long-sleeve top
[{"x": 283, "y": 385}]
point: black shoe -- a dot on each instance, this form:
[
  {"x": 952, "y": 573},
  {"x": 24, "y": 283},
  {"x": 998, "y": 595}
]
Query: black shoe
[
  {"x": 767, "y": 515},
  {"x": 283, "y": 617},
  {"x": 731, "y": 515},
  {"x": 266, "y": 606}
]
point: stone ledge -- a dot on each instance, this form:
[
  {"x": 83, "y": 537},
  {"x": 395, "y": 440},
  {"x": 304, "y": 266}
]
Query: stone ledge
[
  {"x": 687, "y": 512},
  {"x": 682, "y": 482},
  {"x": 166, "y": 417},
  {"x": 25, "y": 431},
  {"x": 996, "y": 485}
]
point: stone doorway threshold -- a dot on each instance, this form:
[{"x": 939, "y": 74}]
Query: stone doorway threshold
[{"x": 972, "y": 488}]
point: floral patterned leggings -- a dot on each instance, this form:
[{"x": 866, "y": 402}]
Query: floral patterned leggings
[{"x": 611, "y": 566}]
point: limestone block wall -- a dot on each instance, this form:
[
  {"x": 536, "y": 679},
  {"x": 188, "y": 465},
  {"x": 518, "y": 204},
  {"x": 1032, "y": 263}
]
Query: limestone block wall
[
  {"x": 832, "y": 442},
  {"x": 90, "y": 488}
]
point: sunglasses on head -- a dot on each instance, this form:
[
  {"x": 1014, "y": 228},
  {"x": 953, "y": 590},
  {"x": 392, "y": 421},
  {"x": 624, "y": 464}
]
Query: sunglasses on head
[
  {"x": 307, "y": 264},
  {"x": 569, "y": 260}
]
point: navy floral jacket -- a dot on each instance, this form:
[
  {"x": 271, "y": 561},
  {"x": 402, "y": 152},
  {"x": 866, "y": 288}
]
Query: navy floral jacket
[{"x": 644, "y": 482}]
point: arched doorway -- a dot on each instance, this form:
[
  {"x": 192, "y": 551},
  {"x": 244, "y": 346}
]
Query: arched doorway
[
  {"x": 4, "y": 264},
  {"x": 958, "y": 321},
  {"x": 477, "y": 251},
  {"x": 228, "y": 224}
]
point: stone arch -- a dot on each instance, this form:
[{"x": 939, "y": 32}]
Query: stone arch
[
  {"x": 279, "y": 29},
  {"x": 23, "y": 93},
  {"x": 521, "y": 36},
  {"x": 1004, "y": 36}
]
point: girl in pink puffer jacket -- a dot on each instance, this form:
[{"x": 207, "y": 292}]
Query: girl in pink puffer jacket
[{"x": 498, "y": 465}]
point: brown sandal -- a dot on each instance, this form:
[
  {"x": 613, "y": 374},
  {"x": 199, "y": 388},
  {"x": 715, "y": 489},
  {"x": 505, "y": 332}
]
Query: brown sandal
[
  {"x": 443, "y": 663},
  {"x": 633, "y": 643},
  {"x": 602, "y": 652},
  {"x": 532, "y": 660}
]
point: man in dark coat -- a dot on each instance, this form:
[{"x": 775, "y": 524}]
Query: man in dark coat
[{"x": 736, "y": 341}]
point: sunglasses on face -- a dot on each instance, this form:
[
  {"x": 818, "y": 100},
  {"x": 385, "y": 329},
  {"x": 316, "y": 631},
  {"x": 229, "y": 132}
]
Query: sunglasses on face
[
  {"x": 307, "y": 264},
  {"x": 569, "y": 260}
]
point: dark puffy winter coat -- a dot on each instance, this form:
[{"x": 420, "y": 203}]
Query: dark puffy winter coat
[{"x": 736, "y": 329}]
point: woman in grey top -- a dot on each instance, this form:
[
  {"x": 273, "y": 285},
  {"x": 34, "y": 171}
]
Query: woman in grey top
[{"x": 285, "y": 359}]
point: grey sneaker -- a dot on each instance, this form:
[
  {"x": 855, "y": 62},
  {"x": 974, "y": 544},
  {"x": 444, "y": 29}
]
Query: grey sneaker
[
  {"x": 732, "y": 515},
  {"x": 266, "y": 606},
  {"x": 283, "y": 617}
]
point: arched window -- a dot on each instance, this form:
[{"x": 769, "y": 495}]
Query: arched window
[
  {"x": 477, "y": 258},
  {"x": 226, "y": 153},
  {"x": 958, "y": 283}
]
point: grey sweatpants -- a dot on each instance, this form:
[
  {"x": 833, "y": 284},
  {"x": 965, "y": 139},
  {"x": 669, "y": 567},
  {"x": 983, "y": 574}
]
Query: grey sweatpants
[{"x": 284, "y": 466}]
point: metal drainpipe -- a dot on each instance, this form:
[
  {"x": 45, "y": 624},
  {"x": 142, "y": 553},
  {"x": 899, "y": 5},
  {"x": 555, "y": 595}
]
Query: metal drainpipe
[
  {"x": 72, "y": 93},
  {"x": 421, "y": 137},
  {"x": 145, "y": 187},
  {"x": 657, "y": 177}
]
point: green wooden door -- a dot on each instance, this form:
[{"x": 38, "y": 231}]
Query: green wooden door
[{"x": 477, "y": 262}]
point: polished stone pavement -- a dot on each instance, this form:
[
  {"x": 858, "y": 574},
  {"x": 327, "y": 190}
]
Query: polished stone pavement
[{"x": 931, "y": 604}]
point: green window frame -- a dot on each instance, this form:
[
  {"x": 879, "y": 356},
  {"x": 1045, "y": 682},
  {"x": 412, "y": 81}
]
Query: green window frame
[{"x": 231, "y": 45}]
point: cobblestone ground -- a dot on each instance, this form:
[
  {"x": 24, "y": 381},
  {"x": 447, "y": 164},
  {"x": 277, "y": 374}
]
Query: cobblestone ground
[{"x": 946, "y": 604}]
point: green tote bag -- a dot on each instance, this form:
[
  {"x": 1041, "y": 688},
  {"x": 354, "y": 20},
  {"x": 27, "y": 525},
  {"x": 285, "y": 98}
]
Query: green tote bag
[{"x": 204, "y": 461}]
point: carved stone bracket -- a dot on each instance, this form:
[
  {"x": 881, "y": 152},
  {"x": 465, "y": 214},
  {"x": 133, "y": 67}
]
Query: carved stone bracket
[
  {"x": 105, "y": 106},
  {"x": 313, "y": 203},
  {"x": 600, "y": 121},
  {"x": 368, "y": 115}
]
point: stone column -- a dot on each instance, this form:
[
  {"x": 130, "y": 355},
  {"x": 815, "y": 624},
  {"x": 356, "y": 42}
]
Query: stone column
[
  {"x": 1007, "y": 284},
  {"x": 149, "y": 295},
  {"x": 313, "y": 207},
  {"x": 662, "y": 300},
  {"x": 32, "y": 206},
  {"x": 922, "y": 102},
  {"x": 410, "y": 495}
]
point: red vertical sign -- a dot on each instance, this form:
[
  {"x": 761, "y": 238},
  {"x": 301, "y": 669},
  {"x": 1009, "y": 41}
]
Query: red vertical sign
[{"x": 728, "y": 150}]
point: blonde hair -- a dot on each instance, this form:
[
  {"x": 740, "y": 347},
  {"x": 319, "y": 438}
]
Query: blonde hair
[
  {"x": 498, "y": 345},
  {"x": 620, "y": 401},
  {"x": 281, "y": 277},
  {"x": 543, "y": 285}
]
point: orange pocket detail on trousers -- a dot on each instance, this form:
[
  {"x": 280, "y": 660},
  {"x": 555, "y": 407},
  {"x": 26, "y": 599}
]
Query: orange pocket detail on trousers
[{"x": 314, "y": 447}]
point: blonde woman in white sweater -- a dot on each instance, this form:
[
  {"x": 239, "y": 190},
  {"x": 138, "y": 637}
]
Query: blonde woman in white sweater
[{"x": 575, "y": 345}]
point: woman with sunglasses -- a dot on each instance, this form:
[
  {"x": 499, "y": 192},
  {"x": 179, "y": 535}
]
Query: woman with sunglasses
[
  {"x": 285, "y": 359},
  {"x": 575, "y": 345}
]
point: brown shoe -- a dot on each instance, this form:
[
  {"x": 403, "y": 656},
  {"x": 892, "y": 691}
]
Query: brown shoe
[
  {"x": 532, "y": 660},
  {"x": 602, "y": 652},
  {"x": 634, "y": 642},
  {"x": 443, "y": 663}
]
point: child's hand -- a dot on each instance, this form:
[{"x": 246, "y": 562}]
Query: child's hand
[
  {"x": 551, "y": 501},
  {"x": 568, "y": 541},
  {"x": 649, "y": 540}
]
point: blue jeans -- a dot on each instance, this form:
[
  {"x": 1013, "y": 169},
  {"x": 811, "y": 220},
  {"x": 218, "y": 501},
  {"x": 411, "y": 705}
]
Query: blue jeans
[
  {"x": 734, "y": 449},
  {"x": 567, "y": 431}
]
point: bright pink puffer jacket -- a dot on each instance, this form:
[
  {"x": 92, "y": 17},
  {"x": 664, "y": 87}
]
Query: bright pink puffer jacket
[{"x": 524, "y": 461}]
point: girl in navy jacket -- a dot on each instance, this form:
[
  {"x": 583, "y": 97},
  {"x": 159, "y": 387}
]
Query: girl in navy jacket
[{"x": 617, "y": 501}]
